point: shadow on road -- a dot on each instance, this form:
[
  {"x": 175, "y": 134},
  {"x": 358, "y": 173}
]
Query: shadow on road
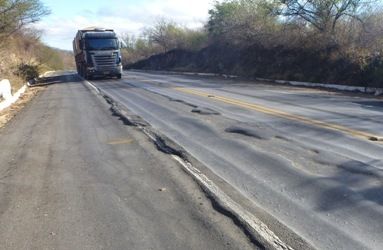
[
  {"x": 371, "y": 105},
  {"x": 56, "y": 79},
  {"x": 354, "y": 183}
]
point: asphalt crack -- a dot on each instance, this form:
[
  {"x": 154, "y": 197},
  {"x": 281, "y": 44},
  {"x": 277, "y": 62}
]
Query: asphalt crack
[{"x": 257, "y": 232}]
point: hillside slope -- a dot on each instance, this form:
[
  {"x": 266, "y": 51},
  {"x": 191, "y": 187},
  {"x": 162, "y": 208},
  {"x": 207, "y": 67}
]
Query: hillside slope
[{"x": 275, "y": 63}]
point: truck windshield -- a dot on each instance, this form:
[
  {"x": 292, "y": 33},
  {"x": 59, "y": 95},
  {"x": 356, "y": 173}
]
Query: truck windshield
[{"x": 101, "y": 44}]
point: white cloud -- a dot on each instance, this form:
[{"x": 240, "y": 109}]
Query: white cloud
[{"x": 124, "y": 18}]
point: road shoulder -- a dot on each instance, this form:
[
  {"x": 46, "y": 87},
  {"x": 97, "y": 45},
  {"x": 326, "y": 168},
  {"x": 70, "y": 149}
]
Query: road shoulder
[{"x": 79, "y": 177}]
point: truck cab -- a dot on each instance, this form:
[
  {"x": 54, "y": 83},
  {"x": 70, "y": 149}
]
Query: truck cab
[{"x": 97, "y": 53}]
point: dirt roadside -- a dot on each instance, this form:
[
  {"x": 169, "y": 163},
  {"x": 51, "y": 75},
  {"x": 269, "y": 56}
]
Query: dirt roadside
[{"x": 7, "y": 114}]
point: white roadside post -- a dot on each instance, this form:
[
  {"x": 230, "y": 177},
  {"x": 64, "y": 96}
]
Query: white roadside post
[
  {"x": 5, "y": 89},
  {"x": 6, "y": 94}
]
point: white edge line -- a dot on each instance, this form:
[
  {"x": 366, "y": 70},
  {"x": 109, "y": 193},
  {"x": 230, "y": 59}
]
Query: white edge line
[
  {"x": 258, "y": 229},
  {"x": 331, "y": 86},
  {"x": 91, "y": 85},
  {"x": 252, "y": 223}
]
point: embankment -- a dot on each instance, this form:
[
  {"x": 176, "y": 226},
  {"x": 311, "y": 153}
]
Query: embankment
[{"x": 325, "y": 65}]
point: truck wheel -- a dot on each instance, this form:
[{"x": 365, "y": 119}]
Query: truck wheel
[{"x": 119, "y": 76}]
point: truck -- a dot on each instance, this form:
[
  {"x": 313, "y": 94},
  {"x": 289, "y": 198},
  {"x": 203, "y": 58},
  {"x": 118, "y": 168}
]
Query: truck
[{"x": 97, "y": 53}]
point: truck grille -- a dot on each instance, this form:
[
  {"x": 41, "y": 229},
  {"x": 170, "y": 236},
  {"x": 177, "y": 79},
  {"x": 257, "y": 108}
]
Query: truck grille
[{"x": 105, "y": 62}]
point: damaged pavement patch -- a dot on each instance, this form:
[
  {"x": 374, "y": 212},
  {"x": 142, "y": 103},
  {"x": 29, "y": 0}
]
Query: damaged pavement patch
[
  {"x": 257, "y": 231},
  {"x": 205, "y": 111},
  {"x": 261, "y": 133}
]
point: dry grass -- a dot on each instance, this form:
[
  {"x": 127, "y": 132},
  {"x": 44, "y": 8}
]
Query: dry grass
[
  {"x": 16, "y": 83},
  {"x": 7, "y": 70},
  {"x": 7, "y": 114}
]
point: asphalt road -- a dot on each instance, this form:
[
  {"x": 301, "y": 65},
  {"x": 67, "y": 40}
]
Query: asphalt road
[
  {"x": 306, "y": 157},
  {"x": 73, "y": 176}
]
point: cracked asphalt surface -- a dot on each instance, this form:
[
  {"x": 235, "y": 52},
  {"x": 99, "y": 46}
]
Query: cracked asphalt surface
[
  {"x": 73, "y": 176},
  {"x": 302, "y": 155}
]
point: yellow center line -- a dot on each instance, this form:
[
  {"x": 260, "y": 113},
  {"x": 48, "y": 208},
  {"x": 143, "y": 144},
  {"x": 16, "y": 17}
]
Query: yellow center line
[{"x": 283, "y": 114}]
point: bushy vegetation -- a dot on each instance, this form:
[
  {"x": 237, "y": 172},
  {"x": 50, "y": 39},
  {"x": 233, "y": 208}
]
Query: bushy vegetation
[
  {"x": 295, "y": 23},
  {"x": 27, "y": 71},
  {"x": 23, "y": 55},
  {"x": 164, "y": 36},
  {"x": 306, "y": 40},
  {"x": 16, "y": 14}
]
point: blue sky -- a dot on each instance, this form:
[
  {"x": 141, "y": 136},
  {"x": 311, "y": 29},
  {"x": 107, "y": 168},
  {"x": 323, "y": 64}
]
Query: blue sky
[{"x": 124, "y": 16}]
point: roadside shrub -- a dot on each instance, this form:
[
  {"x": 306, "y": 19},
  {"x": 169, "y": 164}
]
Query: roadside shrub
[
  {"x": 334, "y": 41},
  {"x": 27, "y": 71},
  {"x": 164, "y": 36},
  {"x": 373, "y": 71}
]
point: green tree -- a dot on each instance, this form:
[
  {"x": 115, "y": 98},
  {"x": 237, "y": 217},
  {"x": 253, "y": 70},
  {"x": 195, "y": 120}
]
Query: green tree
[
  {"x": 15, "y": 14},
  {"x": 242, "y": 21},
  {"x": 165, "y": 33},
  {"x": 169, "y": 35},
  {"x": 324, "y": 15}
]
